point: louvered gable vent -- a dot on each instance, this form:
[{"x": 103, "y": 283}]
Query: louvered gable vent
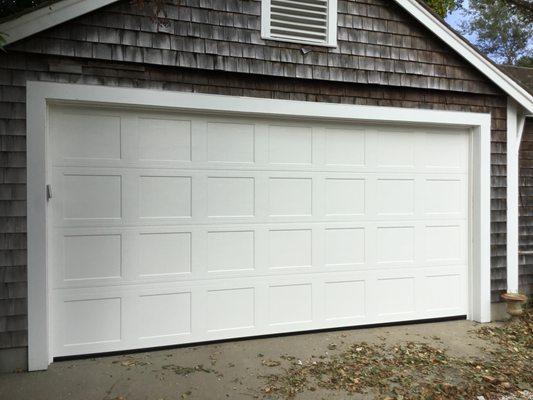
[{"x": 305, "y": 21}]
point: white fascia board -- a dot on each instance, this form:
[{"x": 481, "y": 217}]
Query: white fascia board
[
  {"x": 456, "y": 42},
  {"x": 47, "y": 17}
]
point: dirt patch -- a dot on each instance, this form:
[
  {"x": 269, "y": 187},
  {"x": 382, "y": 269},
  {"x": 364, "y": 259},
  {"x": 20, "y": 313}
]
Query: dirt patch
[{"x": 415, "y": 370}]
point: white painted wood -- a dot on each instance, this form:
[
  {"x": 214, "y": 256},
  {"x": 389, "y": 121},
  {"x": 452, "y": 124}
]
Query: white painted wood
[
  {"x": 37, "y": 212},
  {"x": 479, "y": 301},
  {"x": 512, "y": 196},
  {"x": 128, "y": 228},
  {"x": 61, "y": 92},
  {"x": 304, "y": 270},
  {"x": 515, "y": 127},
  {"x": 306, "y": 22},
  {"x": 47, "y": 17}
]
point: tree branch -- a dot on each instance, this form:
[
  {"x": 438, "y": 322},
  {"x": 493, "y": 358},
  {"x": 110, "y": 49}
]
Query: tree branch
[{"x": 524, "y": 7}]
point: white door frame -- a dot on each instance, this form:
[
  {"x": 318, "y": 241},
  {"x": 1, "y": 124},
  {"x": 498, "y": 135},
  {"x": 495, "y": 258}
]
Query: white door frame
[{"x": 41, "y": 94}]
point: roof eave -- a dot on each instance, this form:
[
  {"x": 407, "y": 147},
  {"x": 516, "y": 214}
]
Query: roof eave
[
  {"x": 469, "y": 53},
  {"x": 47, "y": 17}
]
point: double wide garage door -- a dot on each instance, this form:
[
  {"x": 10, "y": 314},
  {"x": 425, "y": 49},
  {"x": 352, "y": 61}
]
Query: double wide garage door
[{"x": 169, "y": 228}]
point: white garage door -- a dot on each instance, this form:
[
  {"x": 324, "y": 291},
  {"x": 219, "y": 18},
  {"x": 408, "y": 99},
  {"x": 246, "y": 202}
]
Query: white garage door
[{"x": 170, "y": 228}]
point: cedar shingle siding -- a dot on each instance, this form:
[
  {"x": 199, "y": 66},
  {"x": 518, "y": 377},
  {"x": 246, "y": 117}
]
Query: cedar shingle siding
[
  {"x": 378, "y": 43},
  {"x": 526, "y": 209},
  {"x": 384, "y": 57}
]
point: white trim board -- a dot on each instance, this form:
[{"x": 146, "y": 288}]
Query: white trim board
[
  {"x": 64, "y": 10},
  {"x": 515, "y": 128},
  {"x": 48, "y": 17},
  {"x": 41, "y": 94}
]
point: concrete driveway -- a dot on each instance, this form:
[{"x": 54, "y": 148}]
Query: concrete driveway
[{"x": 230, "y": 370}]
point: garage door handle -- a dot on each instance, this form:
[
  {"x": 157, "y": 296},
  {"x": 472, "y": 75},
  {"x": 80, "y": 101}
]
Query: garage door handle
[{"x": 48, "y": 192}]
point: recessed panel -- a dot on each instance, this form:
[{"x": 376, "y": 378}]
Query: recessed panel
[
  {"x": 345, "y": 300},
  {"x": 165, "y": 196},
  {"x": 230, "y": 309},
  {"x": 92, "y": 257},
  {"x": 91, "y": 321},
  {"x": 290, "y": 145},
  {"x": 230, "y": 251},
  {"x": 162, "y": 315},
  {"x": 395, "y": 196},
  {"x": 290, "y": 304},
  {"x": 443, "y": 243},
  {"x": 345, "y": 147},
  {"x": 396, "y": 149},
  {"x": 345, "y": 196},
  {"x": 202, "y": 227},
  {"x": 164, "y": 253},
  {"x": 290, "y": 248},
  {"x": 443, "y": 292},
  {"x": 291, "y": 196},
  {"x": 227, "y": 142},
  {"x": 446, "y": 150},
  {"x": 444, "y": 196},
  {"x": 395, "y": 244},
  {"x": 87, "y": 136},
  {"x": 396, "y": 296},
  {"x": 230, "y": 197},
  {"x": 345, "y": 246},
  {"x": 92, "y": 196},
  {"x": 164, "y": 139}
]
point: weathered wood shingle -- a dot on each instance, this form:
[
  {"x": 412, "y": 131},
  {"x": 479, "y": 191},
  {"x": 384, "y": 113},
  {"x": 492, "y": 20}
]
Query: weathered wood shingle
[
  {"x": 526, "y": 210},
  {"x": 378, "y": 43}
]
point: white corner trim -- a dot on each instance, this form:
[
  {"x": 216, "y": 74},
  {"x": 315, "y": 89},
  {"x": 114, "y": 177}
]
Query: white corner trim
[
  {"x": 41, "y": 94},
  {"x": 38, "y": 308},
  {"x": 467, "y": 51},
  {"x": 480, "y": 299},
  {"x": 515, "y": 127},
  {"x": 47, "y": 17},
  {"x": 512, "y": 196}
]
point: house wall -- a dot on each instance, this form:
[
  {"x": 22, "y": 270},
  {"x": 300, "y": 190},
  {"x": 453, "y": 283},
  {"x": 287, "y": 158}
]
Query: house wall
[
  {"x": 214, "y": 46},
  {"x": 378, "y": 43},
  {"x": 526, "y": 210},
  {"x": 16, "y": 69}
]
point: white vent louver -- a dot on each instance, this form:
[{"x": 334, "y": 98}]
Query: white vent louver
[{"x": 300, "y": 20}]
